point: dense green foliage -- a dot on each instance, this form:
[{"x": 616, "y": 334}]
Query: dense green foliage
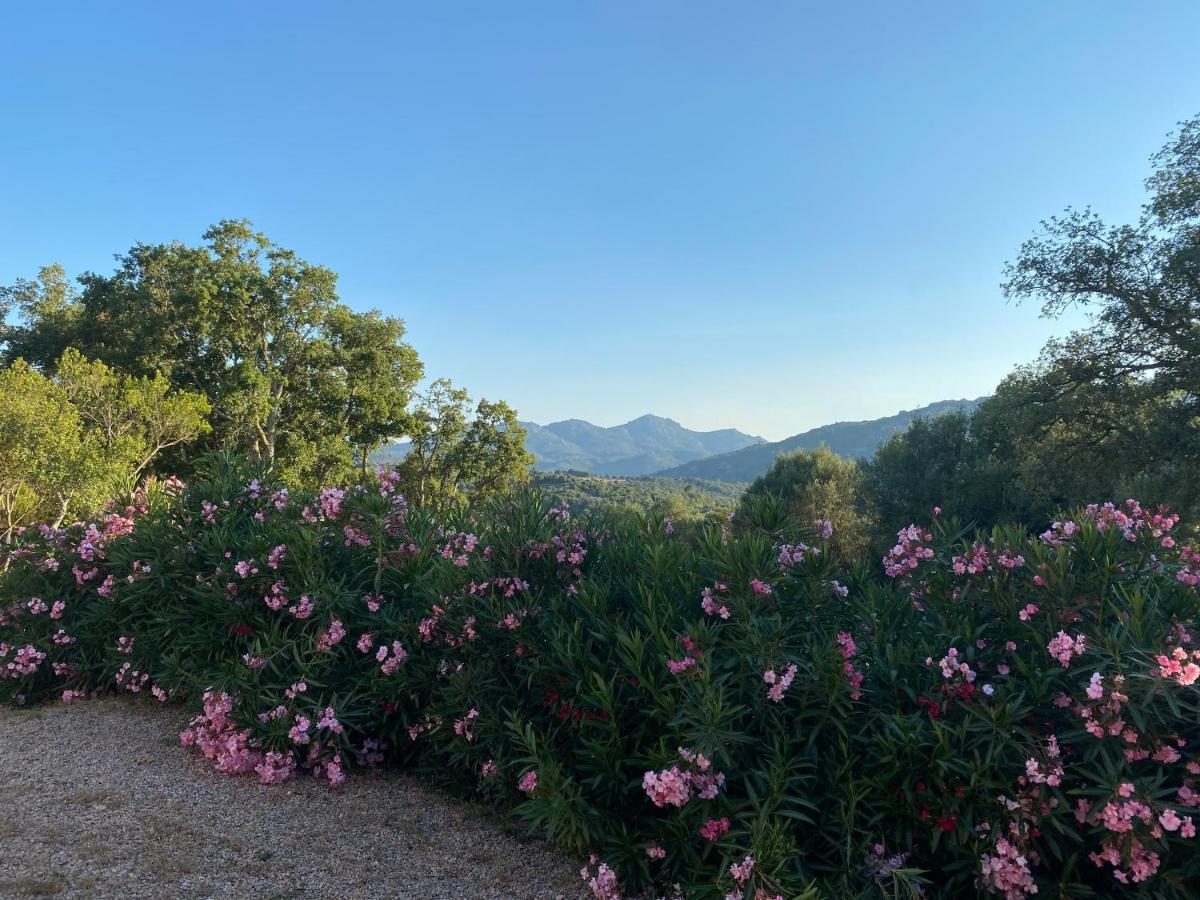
[
  {"x": 290, "y": 373},
  {"x": 70, "y": 442},
  {"x": 678, "y": 499},
  {"x": 450, "y": 450},
  {"x": 819, "y": 484},
  {"x": 255, "y": 340},
  {"x": 673, "y": 707},
  {"x": 1109, "y": 411},
  {"x": 745, "y": 707}
]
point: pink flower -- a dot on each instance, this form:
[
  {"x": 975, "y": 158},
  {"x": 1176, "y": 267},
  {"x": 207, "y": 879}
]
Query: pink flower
[
  {"x": 299, "y": 731},
  {"x": 528, "y": 782},
  {"x": 329, "y": 720},
  {"x": 710, "y": 604},
  {"x": 462, "y": 727},
  {"x": 741, "y": 871},
  {"x": 275, "y": 557},
  {"x": 669, "y": 787},
  {"x": 392, "y": 663},
  {"x": 760, "y": 587},
  {"x": 779, "y": 683},
  {"x": 298, "y": 688},
  {"x": 275, "y": 768},
  {"x": 1062, "y": 647},
  {"x": 681, "y": 665},
  {"x": 714, "y": 829},
  {"x": 304, "y": 608},
  {"x": 1007, "y": 872},
  {"x": 331, "y": 636}
]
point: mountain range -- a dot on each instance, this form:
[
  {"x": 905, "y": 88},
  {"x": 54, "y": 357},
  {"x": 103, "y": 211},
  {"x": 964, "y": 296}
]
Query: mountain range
[
  {"x": 850, "y": 439},
  {"x": 654, "y": 445},
  {"x": 639, "y": 447}
]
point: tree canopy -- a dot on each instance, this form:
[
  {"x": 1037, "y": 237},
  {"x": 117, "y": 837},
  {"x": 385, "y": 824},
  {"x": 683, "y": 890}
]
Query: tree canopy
[
  {"x": 454, "y": 452},
  {"x": 289, "y": 372}
]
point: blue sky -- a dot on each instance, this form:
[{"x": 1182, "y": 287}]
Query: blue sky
[{"x": 760, "y": 215}]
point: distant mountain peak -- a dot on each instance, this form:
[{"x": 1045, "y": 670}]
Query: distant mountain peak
[
  {"x": 660, "y": 446},
  {"x": 637, "y": 447}
]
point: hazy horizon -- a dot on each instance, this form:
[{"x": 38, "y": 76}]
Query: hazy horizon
[{"x": 767, "y": 222}]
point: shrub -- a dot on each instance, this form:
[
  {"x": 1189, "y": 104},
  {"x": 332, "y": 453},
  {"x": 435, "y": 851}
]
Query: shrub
[{"x": 727, "y": 715}]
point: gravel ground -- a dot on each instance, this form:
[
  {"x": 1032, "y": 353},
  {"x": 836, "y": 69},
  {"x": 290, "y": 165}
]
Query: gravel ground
[{"x": 99, "y": 800}]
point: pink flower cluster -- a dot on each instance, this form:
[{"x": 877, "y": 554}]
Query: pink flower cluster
[
  {"x": 1134, "y": 518},
  {"x": 779, "y": 683},
  {"x": 603, "y": 881},
  {"x": 1102, "y": 716},
  {"x": 459, "y": 548},
  {"x": 215, "y": 735},
  {"x": 674, "y": 786},
  {"x": 849, "y": 650},
  {"x": 462, "y": 727},
  {"x": 791, "y": 555},
  {"x": 1049, "y": 771},
  {"x": 1059, "y": 533},
  {"x": 714, "y": 829},
  {"x": 1181, "y": 666},
  {"x": 741, "y": 873},
  {"x": 1006, "y": 871},
  {"x": 908, "y": 553},
  {"x": 331, "y": 636},
  {"x": 952, "y": 665},
  {"x": 1189, "y": 566},
  {"x": 691, "y": 656},
  {"x": 1063, "y": 647},
  {"x": 709, "y": 602},
  {"x": 391, "y": 663},
  {"x": 25, "y": 661}
]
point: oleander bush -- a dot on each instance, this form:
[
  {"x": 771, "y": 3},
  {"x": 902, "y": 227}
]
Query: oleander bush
[{"x": 717, "y": 713}]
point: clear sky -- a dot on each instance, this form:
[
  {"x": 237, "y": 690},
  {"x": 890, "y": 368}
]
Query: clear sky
[{"x": 760, "y": 215}]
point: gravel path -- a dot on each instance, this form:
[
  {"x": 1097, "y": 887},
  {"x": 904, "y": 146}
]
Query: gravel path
[{"x": 99, "y": 800}]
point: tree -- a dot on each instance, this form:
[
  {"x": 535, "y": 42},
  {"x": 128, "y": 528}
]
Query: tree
[
  {"x": 375, "y": 373},
  {"x": 49, "y": 464},
  {"x": 938, "y": 461},
  {"x": 51, "y": 302},
  {"x": 819, "y": 484},
  {"x": 1134, "y": 371},
  {"x": 133, "y": 419},
  {"x": 454, "y": 455},
  {"x": 292, "y": 376}
]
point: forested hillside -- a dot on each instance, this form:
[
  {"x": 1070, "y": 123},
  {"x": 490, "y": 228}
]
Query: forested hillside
[
  {"x": 680, "y": 499},
  {"x": 856, "y": 440}
]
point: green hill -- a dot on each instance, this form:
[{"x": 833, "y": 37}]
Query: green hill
[
  {"x": 851, "y": 439},
  {"x": 689, "y": 498}
]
